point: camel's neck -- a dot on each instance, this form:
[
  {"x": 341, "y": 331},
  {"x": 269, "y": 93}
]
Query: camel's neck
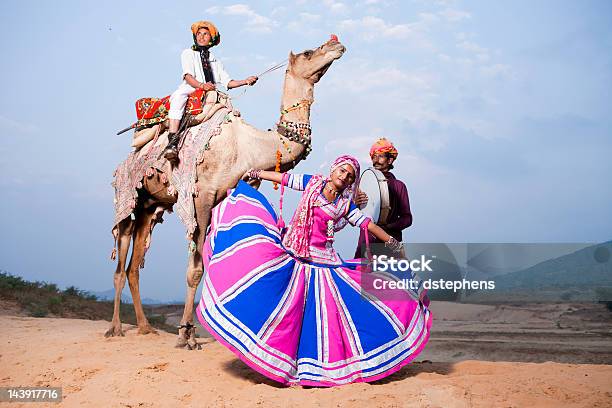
[
  {"x": 267, "y": 144},
  {"x": 296, "y": 91}
]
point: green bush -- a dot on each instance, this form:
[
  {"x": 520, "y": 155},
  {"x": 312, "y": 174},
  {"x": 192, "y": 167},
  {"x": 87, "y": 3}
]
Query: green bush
[
  {"x": 72, "y": 291},
  {"x": 39, "y": 312},
  {"x": 8, "y": 281},
  {"x": 55, "y": 304},
  {"x": 39, "y": 299},
  {"x": 49, "y": 287}
]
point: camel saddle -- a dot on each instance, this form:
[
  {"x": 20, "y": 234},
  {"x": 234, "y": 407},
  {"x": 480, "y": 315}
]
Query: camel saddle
[{"x": 153, "y": 113}]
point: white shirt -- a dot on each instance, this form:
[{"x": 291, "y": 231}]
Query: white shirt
[{"x": 192, "y": 64}]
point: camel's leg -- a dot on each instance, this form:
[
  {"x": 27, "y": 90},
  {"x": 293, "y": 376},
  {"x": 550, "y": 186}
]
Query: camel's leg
[
  {"x": 124, "y": 230},
  {"x": 145, "y": 220},
  {"x": 195, "y": 270}
]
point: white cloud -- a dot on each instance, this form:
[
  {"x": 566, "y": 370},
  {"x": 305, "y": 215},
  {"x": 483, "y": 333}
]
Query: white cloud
[
  {"x": 454, "y": 15},
  {"x": 428, "y": 17},
  {"x": 374, "y": 27},
  {"x": 480, "y": 54},
  {"x": 255, "y": 22},
  {"x": 359, "y": 146},
  {"x": 374, "y": 6},
  {"x": 497, "y": 71},
  {"x": 278, "y": 11},
  {"x": 445, "y": 3},
  {"x": 310, "y": 18},
  {"x": 336, "y": 6},
  {"x": 471, "y": 46},
  {"x": 389, "y": 77},
  {"x": 304, "y": 23},
  {"x": 383, "y": 89},
  {"x": 462, "y": 36},
  {"x": 359, "y": 76},
  {"x": 19, "y": 127}
]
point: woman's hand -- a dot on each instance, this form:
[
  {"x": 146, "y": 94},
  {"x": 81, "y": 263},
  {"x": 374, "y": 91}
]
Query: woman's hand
[
  {"x": 361, "y": 199},
  {"x": 389, "y": 241},
  {"x": 251, "y": 173}
]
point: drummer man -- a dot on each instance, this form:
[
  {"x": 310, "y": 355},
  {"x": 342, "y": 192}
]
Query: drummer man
[{"x": 383, "y": 155}]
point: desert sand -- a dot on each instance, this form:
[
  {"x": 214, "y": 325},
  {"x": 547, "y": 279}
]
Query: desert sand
[{"x": 147, "y": 371}]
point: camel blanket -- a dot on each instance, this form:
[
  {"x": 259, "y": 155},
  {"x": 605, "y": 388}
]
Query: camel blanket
[
  {"x": 154, "y": 110},
  {"x": 145, "y": 162}
]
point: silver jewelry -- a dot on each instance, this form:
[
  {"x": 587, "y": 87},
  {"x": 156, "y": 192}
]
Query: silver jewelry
[
  {"x": 394, "y": 245},
  {"x": 331, "y": 190}
]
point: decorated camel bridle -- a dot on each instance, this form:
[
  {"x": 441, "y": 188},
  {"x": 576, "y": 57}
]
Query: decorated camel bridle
[{"x": 294, "y": 131}]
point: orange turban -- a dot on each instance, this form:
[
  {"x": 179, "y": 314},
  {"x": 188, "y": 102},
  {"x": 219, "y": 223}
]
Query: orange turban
[
  {"x": 214, "y": 33},
  {"x": 381, "y": 146}
]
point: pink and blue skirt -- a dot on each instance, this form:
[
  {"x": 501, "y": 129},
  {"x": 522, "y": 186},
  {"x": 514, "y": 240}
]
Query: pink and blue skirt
[{"x": 297, "y": 322}]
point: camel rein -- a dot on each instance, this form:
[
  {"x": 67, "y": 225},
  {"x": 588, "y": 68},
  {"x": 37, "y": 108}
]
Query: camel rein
[
  {"x": 267, "y": 71},
  {"x": 295, "y": 132}
]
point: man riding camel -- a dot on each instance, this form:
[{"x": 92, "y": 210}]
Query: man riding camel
[
  {"x": 383, "y": 154},
  {"x": 201, "y": 70}
]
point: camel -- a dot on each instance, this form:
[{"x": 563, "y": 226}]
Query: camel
[{"x": 238, "y": 148}]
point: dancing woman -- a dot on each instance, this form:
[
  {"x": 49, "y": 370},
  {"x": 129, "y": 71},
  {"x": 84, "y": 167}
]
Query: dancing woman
[{"x": 288, "y": 305}]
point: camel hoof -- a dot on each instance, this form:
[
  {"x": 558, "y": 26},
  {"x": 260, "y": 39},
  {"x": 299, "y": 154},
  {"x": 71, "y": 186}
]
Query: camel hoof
[
  {"x": 147, "y": 330},
  {"x": 114, "y": 331},
  {"x": 187, "y": 339},
  {"x": 182, "y": 344},
  {"x": 193, "y": 345},
  {"x": 181, "y": 341}
]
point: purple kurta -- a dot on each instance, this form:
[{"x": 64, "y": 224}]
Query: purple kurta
[{"x": 399, "y": 217}]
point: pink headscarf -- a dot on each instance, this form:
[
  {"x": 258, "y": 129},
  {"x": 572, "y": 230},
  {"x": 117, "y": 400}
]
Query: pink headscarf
[{"x": 300, "y": 229}]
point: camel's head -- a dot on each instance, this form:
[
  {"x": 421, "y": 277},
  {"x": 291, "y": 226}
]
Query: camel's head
[{"x": 312, "y": 64}]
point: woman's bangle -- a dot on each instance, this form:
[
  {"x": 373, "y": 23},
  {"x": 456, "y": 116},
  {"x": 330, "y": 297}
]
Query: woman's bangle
[
  {"x": 255, "y": 174},
  {"x": 201, "y": 85}
]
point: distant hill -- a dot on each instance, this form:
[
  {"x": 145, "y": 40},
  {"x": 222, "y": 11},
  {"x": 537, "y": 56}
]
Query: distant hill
[
  {"x": 109, "y": 295},
  {"x": 582, "y": 275},
  {"x": 126, "y": 297},
  {"x": 590, "y": 267}
]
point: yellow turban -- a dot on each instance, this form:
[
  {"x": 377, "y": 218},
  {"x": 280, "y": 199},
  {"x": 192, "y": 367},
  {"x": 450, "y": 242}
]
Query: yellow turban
[{"x": 214, "y": 33}]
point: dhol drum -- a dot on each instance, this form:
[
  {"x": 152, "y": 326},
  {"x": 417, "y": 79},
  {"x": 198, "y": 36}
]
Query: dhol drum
[{"x": 374, "y": 184}]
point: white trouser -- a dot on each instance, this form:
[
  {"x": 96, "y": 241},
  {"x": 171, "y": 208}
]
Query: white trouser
[{"x": 178, "y": 100}]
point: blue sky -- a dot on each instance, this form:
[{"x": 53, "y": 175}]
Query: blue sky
[{"x": 500, "y": 111}]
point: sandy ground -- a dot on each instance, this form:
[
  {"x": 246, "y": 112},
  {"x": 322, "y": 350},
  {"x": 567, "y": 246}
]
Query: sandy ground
[
  {"x": 147, "y": 371},
  {"x": 562, "y": 333}
]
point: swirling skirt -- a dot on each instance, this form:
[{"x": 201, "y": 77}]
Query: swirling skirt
[{"x": 297, "y": 322}]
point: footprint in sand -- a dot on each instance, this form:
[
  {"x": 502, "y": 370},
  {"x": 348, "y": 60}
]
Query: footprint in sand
[{"x": 158, "y": 367}]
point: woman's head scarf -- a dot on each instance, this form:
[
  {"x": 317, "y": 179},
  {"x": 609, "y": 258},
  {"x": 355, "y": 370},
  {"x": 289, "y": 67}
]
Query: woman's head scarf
[{"x": 300, "y": 229}]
